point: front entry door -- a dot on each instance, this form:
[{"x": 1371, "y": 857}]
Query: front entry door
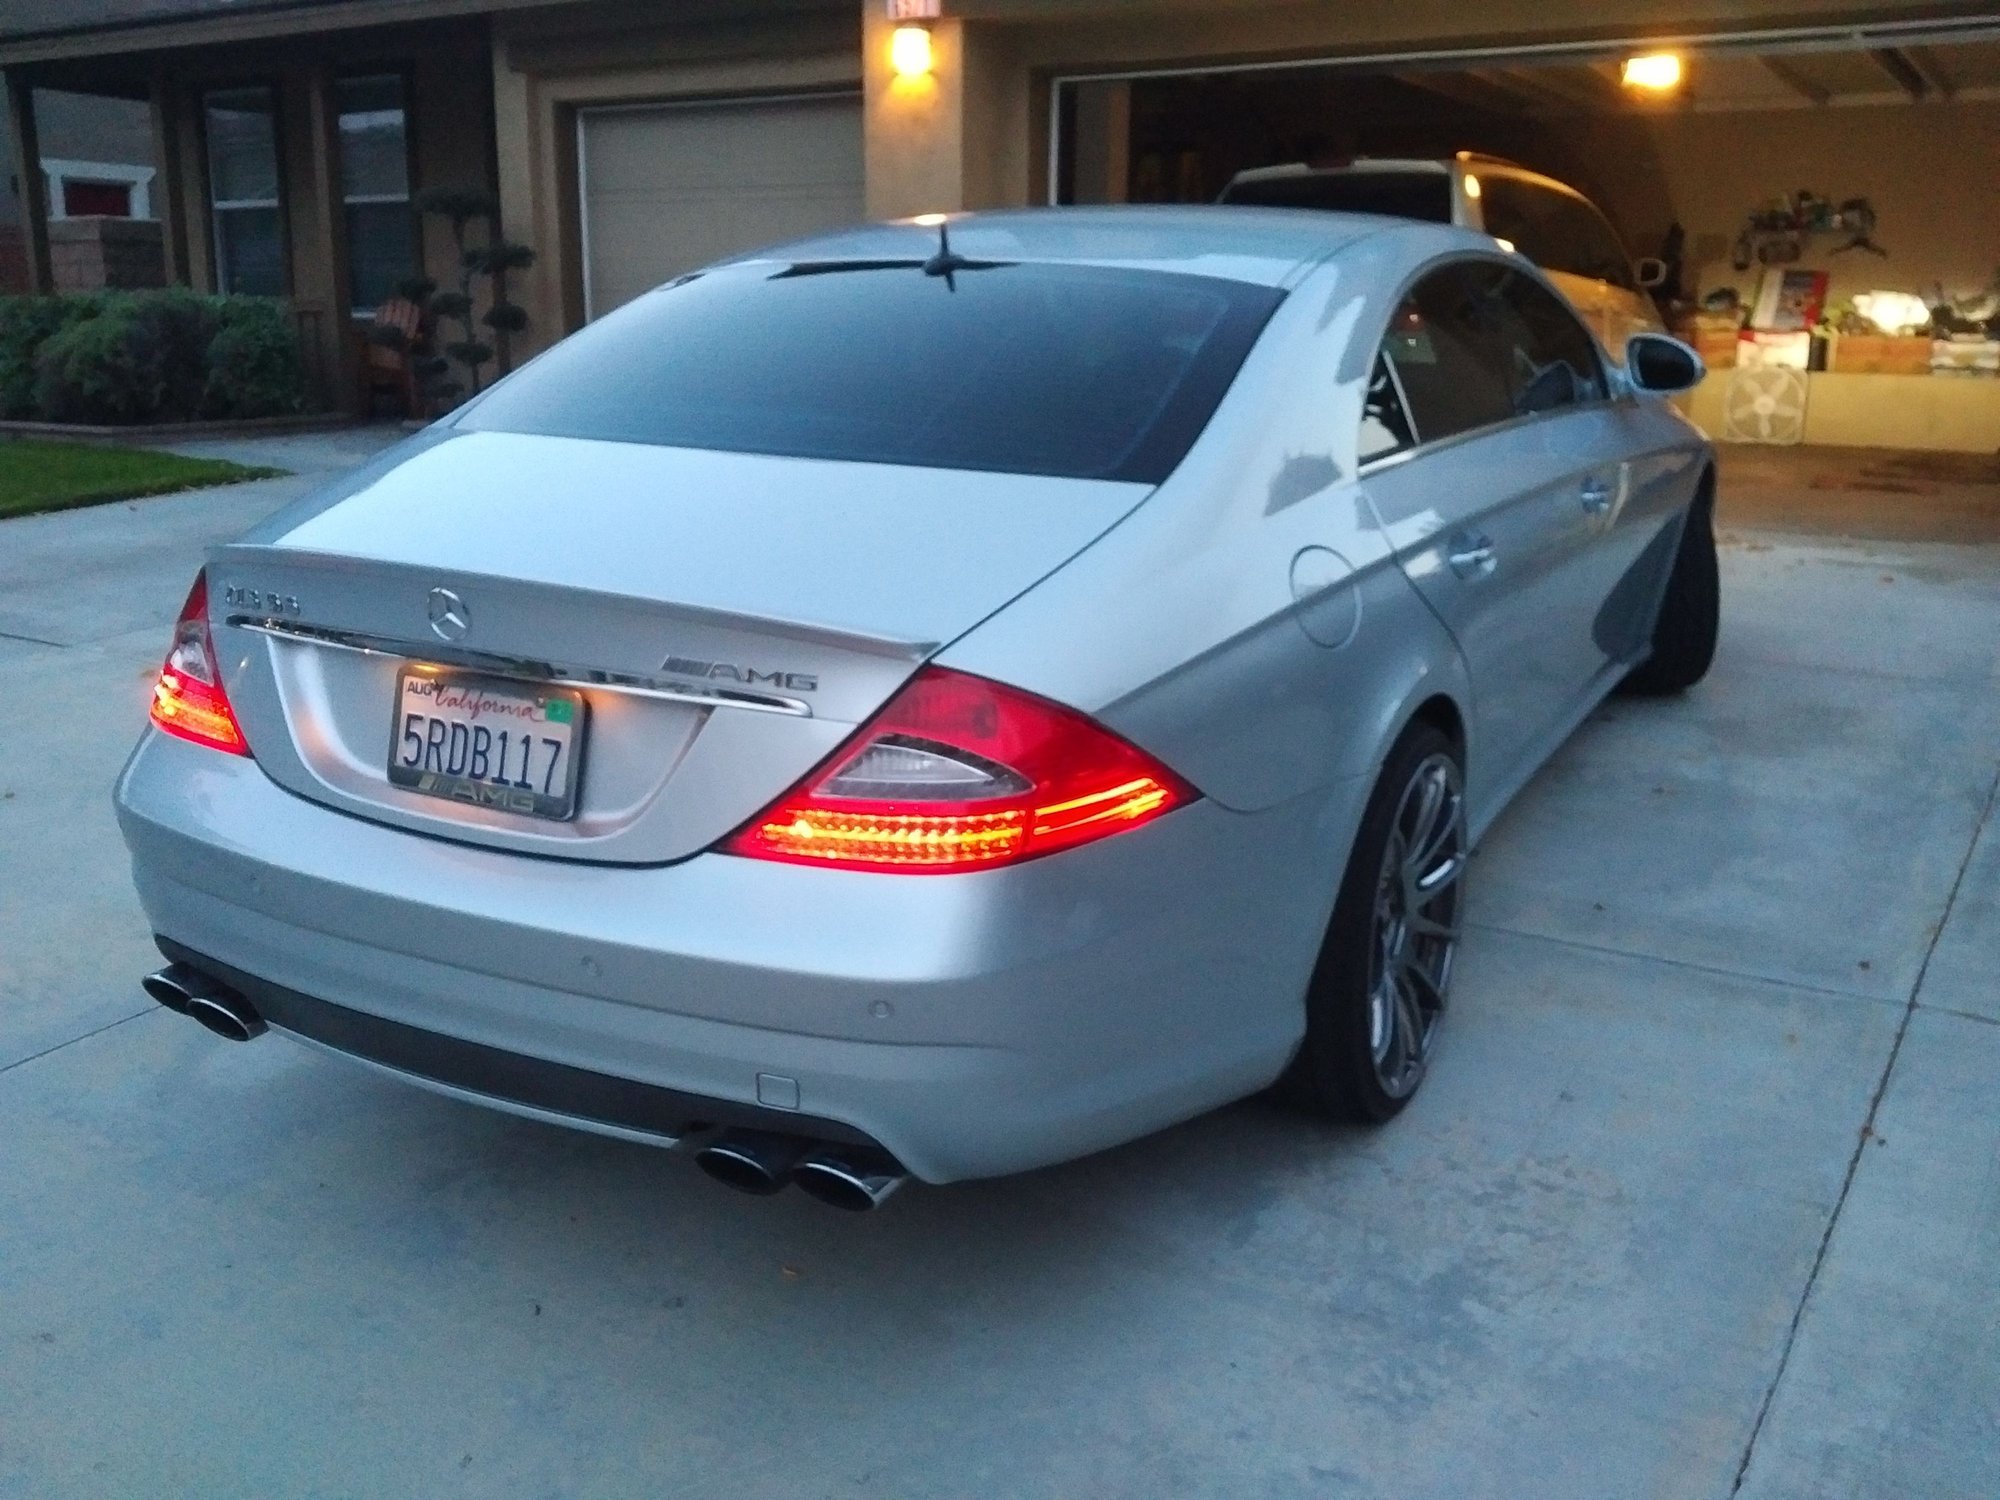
[{"x": 1496, "y": 511}]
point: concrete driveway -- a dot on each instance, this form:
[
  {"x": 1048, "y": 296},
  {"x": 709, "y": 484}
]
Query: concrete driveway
[{"x": 1703, "y": 1199}]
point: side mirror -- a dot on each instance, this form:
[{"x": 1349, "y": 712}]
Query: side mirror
[
  {"x": 1651, "y": 271},
  {"x": 1661, "y": 365}
]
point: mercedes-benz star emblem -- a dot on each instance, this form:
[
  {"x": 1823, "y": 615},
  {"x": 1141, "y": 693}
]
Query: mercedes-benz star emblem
[{"x": 450, "y": 619}]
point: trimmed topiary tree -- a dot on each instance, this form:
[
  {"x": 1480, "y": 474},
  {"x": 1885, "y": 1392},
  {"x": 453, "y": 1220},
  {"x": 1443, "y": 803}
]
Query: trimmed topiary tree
[{"x": 455, "y": 368}]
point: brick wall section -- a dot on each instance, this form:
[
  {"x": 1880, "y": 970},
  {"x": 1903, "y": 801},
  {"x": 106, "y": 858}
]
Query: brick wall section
[
  {"x": 13, "y": 260},
  {"x": 91, "y": 253}
]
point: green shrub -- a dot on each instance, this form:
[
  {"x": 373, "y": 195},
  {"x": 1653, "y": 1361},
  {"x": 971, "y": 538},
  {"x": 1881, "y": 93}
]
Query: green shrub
[
  {"x": 255, "y": 368},
  {"x": 179, "y": 327},
  {"x": 106, "y": 369},
  {"x": 26, "y": 323},
  {"x": 163, "y": 356}
]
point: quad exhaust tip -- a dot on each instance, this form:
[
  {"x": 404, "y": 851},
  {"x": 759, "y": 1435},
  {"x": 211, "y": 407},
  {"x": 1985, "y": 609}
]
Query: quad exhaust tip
[
  {"x": 857, "y": 1181},
  {"x": 761, "y": 1163},
  {"x": 187, "y": 991},
  {"x": 751, "y": 1161}
]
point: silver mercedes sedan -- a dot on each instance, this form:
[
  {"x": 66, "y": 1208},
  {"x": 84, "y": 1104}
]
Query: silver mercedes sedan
[{"x": 931, "y": 700}]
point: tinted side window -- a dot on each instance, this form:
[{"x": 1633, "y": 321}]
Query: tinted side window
[
  {"x": 1552, "y": 361},
  {"x": 1446, "y": 346},
  {"x": 1385, "y": 426},
  {"x": 1477, "y": 343}
]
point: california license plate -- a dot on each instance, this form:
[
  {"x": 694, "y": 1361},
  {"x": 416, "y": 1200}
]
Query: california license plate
[{"x": 488, "y": 741}]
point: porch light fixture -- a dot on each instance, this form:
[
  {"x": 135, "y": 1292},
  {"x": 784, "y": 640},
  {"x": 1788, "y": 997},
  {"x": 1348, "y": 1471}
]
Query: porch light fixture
[
  {"x": 1654, "y": 72},
  {"x": 910, "y": 51}
]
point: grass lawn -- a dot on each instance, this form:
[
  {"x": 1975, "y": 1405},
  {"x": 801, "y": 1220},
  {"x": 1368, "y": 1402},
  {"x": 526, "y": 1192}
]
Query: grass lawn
[{"x": 36, "y": 475}]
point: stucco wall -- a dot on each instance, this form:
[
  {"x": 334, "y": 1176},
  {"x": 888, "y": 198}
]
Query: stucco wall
[
  {"x": 546, "y": 66},
  {"x": 1931, "y": 170}
]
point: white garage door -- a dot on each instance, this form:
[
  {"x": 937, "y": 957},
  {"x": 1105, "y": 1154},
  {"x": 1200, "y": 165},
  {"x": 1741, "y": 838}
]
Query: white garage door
[{"x": 668, "y": 188}]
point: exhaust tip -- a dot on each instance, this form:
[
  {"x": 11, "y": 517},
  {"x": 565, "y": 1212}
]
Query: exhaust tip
[
  {"x": 856, "y": 1183},
  {"x": 750, "y": 1162},
  {"x": 169, "y": 986},
  {"x": 187, "y": 991},
  {"x": 229, "y": 1018}
]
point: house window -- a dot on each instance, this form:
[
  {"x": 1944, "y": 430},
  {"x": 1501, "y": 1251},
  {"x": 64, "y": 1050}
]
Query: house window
[
  {"x": 375, "y": 188},
  {"x": 242, "y": 131},
  {"x": 82, "y": 200}
]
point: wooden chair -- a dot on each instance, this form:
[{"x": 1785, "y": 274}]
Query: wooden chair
[{"x": 392, "y": 367}]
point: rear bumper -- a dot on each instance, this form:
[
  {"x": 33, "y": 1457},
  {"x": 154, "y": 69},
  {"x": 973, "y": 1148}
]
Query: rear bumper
[
  {"x": 970, "y": 1025},
  {"x": 505, "y": 1080}
]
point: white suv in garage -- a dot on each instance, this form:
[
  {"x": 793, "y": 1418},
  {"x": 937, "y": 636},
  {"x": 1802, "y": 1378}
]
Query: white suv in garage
[{"x": 1550, "y": 223}]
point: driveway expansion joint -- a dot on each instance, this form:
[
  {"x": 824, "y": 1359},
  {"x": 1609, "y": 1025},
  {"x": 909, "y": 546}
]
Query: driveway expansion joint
[
  {"x": 22, "y": 1062},
  {"x": 32, "y": 640},
  {"x": 1861, "y": 1140}
]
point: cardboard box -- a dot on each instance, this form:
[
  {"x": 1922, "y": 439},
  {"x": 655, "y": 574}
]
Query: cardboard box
[
  {"x": 1880, "y": 354},
  {"x": 1759, "y": 350},
  {"x": 1965, "y": 356},
  {"x": 1716, "y": 346}
]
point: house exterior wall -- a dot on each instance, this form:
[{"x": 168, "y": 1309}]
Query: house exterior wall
[
  {"x": 447, "y": 93},
  {"x": 1929, "y": 169},
  {"x": 549, "y": 65},
  {"x": 495, "y": 98}
]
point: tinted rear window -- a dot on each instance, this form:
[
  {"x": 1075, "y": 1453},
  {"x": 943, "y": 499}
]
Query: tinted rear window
[
  {"x": 1079, "y": 372},
  {"x": 1401, "y": 195}
]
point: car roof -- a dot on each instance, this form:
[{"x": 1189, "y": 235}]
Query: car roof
[
  {"x": 1428, "y": 165},
  {"x": 1263, "y": 246},
  {"x": 1361, "y": 165}
]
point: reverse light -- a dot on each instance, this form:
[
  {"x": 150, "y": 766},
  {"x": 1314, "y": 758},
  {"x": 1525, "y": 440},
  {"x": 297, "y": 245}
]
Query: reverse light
[
  {"x": 188, "y": 700},
  {"x": 957, "y": 773}
]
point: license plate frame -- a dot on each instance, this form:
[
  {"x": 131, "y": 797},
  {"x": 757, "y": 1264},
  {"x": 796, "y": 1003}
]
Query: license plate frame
[{"x": 511, "y": 706}]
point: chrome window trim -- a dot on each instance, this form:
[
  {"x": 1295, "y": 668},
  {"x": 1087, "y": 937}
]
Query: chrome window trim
[{"x": 585, "y": 679}]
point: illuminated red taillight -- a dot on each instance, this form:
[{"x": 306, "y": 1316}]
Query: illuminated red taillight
[
  {"x": 958, "y": 773},
  {"x": 188, "y": 700}
]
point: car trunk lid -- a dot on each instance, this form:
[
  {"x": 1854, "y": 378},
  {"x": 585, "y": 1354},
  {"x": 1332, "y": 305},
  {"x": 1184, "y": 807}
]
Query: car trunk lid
[{"x": 726, "y": 619}]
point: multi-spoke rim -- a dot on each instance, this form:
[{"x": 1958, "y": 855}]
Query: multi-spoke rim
[{"x": 1416, "y": 923}]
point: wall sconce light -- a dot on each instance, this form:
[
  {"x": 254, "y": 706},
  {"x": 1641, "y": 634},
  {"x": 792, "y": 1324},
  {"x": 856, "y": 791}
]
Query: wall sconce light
[
  {"x": 910, "y": 51},
  {"x": 1655, "y": 72}
]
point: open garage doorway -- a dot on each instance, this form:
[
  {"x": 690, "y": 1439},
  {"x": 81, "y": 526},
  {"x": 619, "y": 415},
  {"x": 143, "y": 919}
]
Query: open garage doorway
[{"x": 1906, "y": 122}]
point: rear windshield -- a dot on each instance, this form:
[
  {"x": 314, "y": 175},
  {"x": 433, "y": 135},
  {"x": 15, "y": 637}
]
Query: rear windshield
[
  {"x": 1401, "y": 195},
  {"x": 1079, "y": 372}
]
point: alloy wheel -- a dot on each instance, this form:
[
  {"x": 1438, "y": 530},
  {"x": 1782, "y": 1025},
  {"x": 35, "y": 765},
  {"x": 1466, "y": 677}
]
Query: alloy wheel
[{"x": 1416, "y": 923}]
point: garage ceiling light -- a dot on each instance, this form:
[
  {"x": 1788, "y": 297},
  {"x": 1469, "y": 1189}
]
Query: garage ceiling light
[
  {"x": 910, "y": 51},
  {"x": 1654, "y": 71}
]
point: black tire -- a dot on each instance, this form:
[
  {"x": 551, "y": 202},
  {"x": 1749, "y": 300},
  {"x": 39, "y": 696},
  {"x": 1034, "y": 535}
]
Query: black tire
[
  {"x": 1339, "y": 1069},
  {"x": 1690, "y": 610}
]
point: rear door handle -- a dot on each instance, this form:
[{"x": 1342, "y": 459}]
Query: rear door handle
[
  {"x": 1596, "y": 496},
  {"x": 1470, "y": 555}
]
